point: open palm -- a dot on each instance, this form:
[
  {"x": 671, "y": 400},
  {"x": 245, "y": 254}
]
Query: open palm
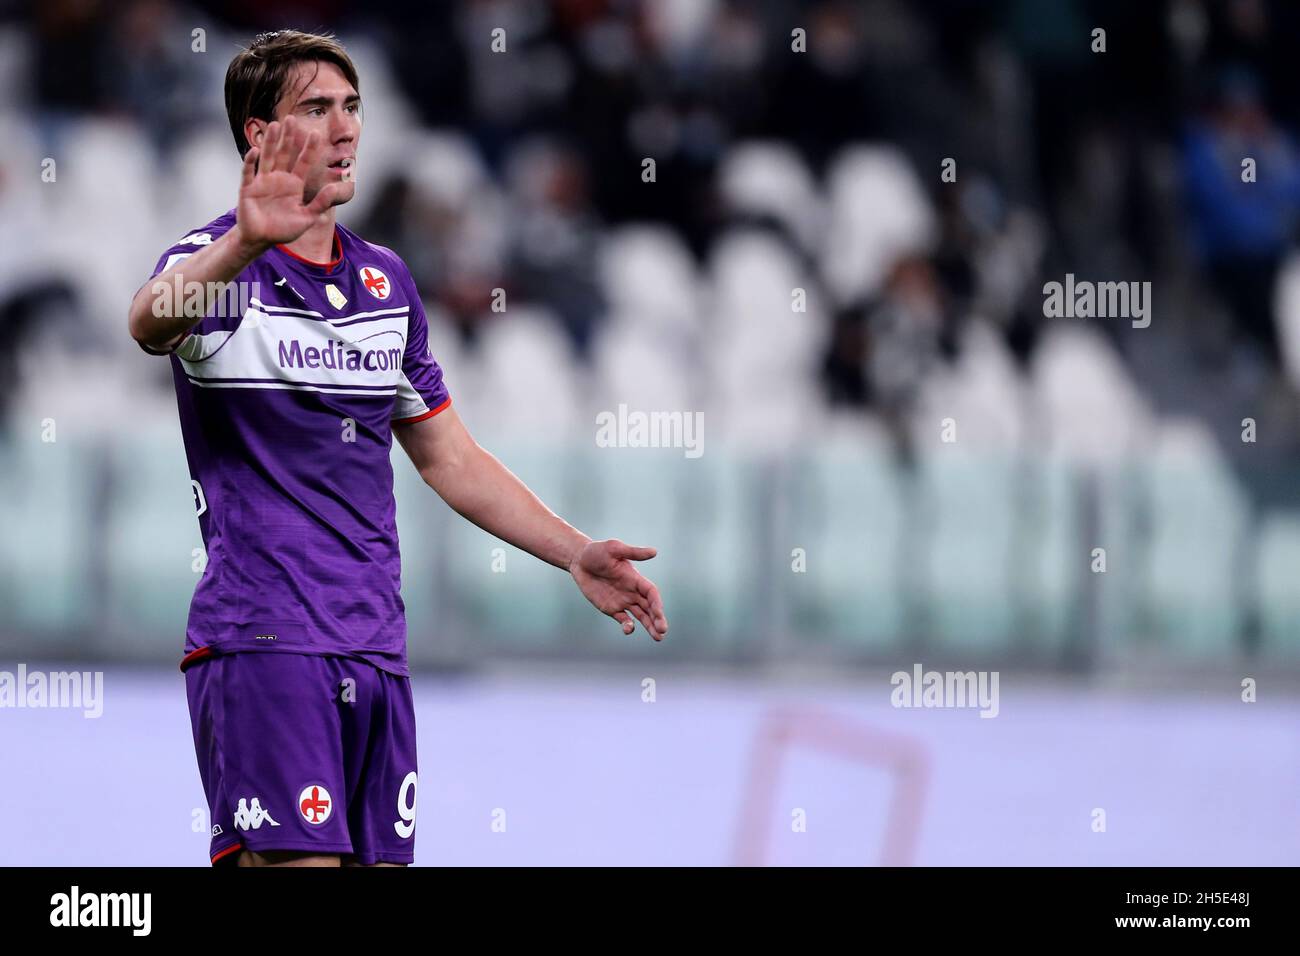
[
  {"x": 604, "y": 573},
  {"x": 271, "y": 209}
]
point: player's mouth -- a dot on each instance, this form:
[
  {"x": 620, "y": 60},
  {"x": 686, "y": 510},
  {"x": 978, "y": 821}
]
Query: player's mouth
[{"x": 345, "y": 166}]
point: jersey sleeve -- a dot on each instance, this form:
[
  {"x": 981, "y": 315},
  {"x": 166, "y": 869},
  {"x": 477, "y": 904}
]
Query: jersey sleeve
[
  {"x": 182, "y": 249},
  {"x": 421, "y": 392}
]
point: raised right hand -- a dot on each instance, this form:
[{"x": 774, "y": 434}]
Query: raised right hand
[{"x": 271, "y": 209}]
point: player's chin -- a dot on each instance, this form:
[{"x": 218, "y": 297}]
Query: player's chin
[{"x": 344, "y": 190}]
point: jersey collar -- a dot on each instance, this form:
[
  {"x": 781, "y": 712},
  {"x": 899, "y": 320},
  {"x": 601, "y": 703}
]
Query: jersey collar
[{"x": 318, "y": 268}]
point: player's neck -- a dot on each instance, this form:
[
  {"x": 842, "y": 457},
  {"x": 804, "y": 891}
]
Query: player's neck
[{"x": 317, "y": 243}]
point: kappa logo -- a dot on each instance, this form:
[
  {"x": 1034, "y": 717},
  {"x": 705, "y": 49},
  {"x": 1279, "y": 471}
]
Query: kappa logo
[
  {"x": 196, "y": 239},
  {"x": 314, "y": 804},
  {"x": 376, "y": 283},
  {"x": 249, "y": 815},
  {"x": 284, "y": 283}
]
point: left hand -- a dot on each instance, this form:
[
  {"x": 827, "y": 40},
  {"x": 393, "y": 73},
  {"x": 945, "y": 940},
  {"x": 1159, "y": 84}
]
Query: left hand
[{"x": 604, "y": 573}]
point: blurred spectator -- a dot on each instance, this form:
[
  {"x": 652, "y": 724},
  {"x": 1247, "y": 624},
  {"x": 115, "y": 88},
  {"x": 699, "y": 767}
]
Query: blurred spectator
[
  {"x": 71, "y": 64},
  {"x": 1242, "y": 229},
  {"x": 155, "y": 75},
  {"x": 556, "y": 236},
  {"x": 883, "y": 349}
]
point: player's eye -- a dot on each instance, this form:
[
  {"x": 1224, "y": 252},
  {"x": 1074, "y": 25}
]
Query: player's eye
[{"x": 316, "y": 111}]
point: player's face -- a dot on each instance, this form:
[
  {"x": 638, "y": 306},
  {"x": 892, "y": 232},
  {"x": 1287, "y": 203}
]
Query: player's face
[{"x": 322, "y": 99}]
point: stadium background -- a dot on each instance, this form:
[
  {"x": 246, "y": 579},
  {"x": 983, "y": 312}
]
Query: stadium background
[{"x": 827, "y": 536}]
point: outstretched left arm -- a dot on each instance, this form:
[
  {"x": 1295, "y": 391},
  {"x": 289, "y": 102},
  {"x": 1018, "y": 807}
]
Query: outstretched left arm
[{"x": 478, "y": 487}]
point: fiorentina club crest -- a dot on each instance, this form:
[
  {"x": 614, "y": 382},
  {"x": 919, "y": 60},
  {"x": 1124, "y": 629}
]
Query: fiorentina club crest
[
  {"x": 376, "y": 283},
  {"x": 314, "y": 804}
]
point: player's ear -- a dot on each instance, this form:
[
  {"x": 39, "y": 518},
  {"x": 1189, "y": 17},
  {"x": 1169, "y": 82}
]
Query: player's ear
[{"x": 254, "y": 130}]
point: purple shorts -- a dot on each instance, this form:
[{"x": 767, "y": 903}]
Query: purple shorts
[{"x": 308, "y": 753}]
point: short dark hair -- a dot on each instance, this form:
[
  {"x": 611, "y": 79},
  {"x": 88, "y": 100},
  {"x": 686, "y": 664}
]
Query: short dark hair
[{"x": 256, "y": 77}]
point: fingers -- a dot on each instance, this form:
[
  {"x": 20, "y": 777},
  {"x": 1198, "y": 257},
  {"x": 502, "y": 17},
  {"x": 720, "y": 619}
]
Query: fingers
[
  {"x": 623, "y": 619},
  {"x": 620, "y": 550},
  {"x": 647, "y": 595},
  {"x": 249, "y": 172},
  {"x": 655, "y": 605},
  {"x": 644, "y": 618},
  {"x": 643, "y": 591},
  {"x": 655, "y": 612},
  {"x": 270, "y": 147},
  {"x": 650, "y": 615},
  {"x": 306, "y": 155},
  {"x": 281, "y": 145},
  {"x": 290, "y": 144},
  {"x": 324, "y": 198}
]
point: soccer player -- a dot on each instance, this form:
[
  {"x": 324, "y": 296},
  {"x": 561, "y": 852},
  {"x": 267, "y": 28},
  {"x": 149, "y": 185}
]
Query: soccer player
[{"x": 295, "y": 664}]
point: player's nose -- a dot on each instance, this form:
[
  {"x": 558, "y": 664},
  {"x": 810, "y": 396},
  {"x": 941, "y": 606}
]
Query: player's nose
[{"x": 344, "y": 126}]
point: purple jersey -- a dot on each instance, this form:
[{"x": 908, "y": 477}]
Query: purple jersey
[{"x": 286, "y": 401}]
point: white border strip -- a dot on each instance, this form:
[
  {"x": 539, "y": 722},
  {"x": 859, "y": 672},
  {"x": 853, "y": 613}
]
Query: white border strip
[{"x": 294, "y": 387}]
